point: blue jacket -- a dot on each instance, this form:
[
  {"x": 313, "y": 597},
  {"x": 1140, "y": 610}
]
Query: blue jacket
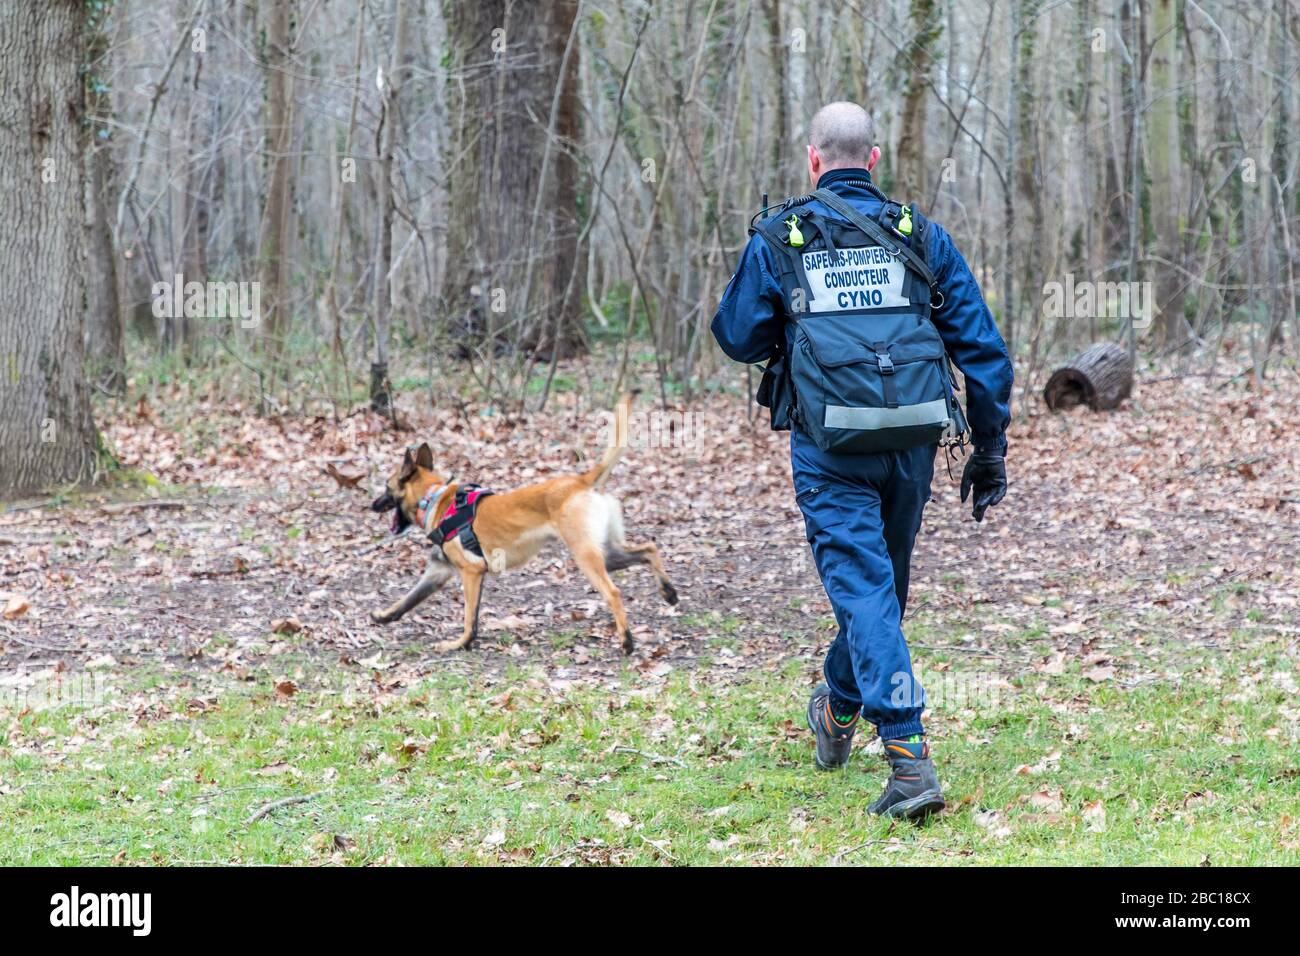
[{"x": 751, "y": 317}]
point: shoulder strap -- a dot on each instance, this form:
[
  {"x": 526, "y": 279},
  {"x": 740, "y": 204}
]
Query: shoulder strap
[
  {"x": 790, "y": 260},
  {"x": 877, "y": 234},
  {"x": 919, "y": 232}
]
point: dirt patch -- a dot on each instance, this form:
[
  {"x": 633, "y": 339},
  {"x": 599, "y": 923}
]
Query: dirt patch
[{"x": 1161, "y": 522}]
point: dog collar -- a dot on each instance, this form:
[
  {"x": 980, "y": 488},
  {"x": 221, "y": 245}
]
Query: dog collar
[{"x": 424, "y": 511}]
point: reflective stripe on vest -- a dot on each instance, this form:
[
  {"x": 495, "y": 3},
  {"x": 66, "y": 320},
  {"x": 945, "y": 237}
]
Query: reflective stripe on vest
[{"x": 871, "y": 419}]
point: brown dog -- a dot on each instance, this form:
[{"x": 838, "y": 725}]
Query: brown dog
[{"x": 513, "y": 526}]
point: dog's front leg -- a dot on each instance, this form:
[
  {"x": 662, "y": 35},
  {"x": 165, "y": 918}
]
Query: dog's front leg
[
  {"x": 435, "y": 576},
  {"x": 471, "y": 578}
]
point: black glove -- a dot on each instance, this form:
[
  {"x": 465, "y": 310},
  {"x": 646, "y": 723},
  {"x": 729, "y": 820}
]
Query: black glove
[{"x": 986, "y": 472}]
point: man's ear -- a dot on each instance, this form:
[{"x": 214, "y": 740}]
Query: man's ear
[
  {"x": 408, "y": 467},
  {"x": 424, "y": 456},
  {"x": 873, "y": 158}
]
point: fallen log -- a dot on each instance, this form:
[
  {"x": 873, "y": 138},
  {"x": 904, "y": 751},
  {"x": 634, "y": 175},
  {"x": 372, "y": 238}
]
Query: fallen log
[{"x": 1100, "y": 377}]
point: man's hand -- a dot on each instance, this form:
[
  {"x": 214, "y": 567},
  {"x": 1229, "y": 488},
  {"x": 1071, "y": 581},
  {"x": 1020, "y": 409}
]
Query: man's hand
[{"x": 986, "y": 472}]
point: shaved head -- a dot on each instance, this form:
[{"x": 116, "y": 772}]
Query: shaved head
[{"x": 843, "y": 134}]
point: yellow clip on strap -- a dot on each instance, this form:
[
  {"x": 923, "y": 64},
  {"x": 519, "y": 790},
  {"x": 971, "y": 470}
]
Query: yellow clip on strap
[
  {"x": 905, "y": 221},
  {"x": 796, "y": 237}
]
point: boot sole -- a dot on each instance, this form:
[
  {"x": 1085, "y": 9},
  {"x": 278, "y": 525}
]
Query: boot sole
[{"x": 918, "y": 807}]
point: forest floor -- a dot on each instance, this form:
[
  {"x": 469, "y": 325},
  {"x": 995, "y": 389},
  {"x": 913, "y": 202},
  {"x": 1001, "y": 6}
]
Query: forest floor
[{"x": 1110, "y": 657}]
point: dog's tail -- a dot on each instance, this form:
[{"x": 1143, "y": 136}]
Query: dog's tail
[{"x": 617, "y": 442}]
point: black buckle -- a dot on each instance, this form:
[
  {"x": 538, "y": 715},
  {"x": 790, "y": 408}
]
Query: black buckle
[{"x": 885, "y": 362}]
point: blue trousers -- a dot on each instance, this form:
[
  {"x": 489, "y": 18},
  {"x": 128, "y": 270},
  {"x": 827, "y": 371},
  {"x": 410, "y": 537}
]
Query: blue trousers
[{"x": 861, "y": 514}]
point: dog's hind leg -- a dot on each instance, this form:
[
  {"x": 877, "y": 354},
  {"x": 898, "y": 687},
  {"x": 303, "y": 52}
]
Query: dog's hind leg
[
  {"x": 435, "y": 576},
  {"x": 471, "y": 579},
  {"x": 620, "y": 555},
  {"x": 591, "y": 559}
]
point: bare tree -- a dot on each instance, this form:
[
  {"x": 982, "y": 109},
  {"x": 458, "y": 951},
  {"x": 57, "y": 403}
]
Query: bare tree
[
  {"x": 46, "y": 428},
  {"x": 1162, "y": 147},
  {"x": 380, "y": 386},
  {"x": 275, "y": 235},
  {"x": 918, "y": 57},
  {"x": 105, "y": 325},
  {"x": 514, "y": 174}
]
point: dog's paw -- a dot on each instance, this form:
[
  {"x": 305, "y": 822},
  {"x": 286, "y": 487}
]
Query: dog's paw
[
  {"x": 379, "y": 617},
  {"x": 629, "y": 645},
  {"x": 669, "y": 593}
]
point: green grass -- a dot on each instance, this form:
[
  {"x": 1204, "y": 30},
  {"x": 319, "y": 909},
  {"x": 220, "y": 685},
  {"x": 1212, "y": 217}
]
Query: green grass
[{"x": 694, "y": 770}]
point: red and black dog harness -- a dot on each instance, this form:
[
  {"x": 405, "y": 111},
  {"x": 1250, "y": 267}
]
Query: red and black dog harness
[{"x": 458, "y": 520}]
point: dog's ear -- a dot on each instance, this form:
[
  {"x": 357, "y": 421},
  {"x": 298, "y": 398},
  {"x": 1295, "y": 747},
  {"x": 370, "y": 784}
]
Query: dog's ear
[
  {"x": 408, "y": 468},
  {"x": 424, "y": 456}
]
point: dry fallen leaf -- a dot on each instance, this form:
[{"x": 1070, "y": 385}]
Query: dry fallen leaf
[
  {"x": 276, "y": 769},
  {"x": 286, "y": 625},
  {"x": 987, "y": 819},
  {"x": 16, "y": 606},
  {"x": 285, "y": 689},
  {"x": 1094, "y": 817},
  {"x": 344, "y": 481},
  {"x": 1055, "y": 664},
  {"x": 1046, "y": 800}
]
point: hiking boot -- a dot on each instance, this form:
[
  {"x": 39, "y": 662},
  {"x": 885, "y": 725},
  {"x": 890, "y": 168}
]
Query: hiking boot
[
  {"x": 834, "y": 739},
  {"x": 912, "y": 791}
]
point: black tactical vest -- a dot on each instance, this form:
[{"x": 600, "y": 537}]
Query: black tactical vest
[{"x": 866, "y": 367}]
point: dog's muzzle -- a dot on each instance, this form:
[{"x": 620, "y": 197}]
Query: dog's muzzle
[{"x": 386, "y": 502}]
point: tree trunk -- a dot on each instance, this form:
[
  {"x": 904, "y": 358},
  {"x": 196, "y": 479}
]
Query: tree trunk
[
  {"x": 510, "y": 96},
  {"x": 1010, "y": 307},
  {"x": 105, "y": 345},
  {"x": 272, "y": 246},
  {"x": 330, "y": 300},
  {"x": 194, "y": 201},
  {"x": 1101, "y": 377},
  {"x": 1028, "y": 173},
  {"x": 1162, "y": 144},
  {"x": 381, "y": 398},
  {"x": 561, "y": 231},
  {"x": 926, "y": 27},
  {"x": 780, "y": 57},
  {"x": 46, "y": 428},
  {"x": 1091, "y": 168}
]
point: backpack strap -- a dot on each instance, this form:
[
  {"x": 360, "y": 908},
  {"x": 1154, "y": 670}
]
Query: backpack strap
[
  {"x": 876, "y": 232},
  {"x": 822, "y": 225},
  {"x": 920, "y": 234},
  {"x": 789, "y": 258}
]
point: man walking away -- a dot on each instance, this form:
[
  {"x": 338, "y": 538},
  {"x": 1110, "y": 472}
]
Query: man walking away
[{"x": 858, "y": 303}]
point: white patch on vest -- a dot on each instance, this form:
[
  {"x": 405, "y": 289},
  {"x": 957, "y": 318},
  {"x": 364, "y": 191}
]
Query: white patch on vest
[{"x": 859, "y": 279}]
